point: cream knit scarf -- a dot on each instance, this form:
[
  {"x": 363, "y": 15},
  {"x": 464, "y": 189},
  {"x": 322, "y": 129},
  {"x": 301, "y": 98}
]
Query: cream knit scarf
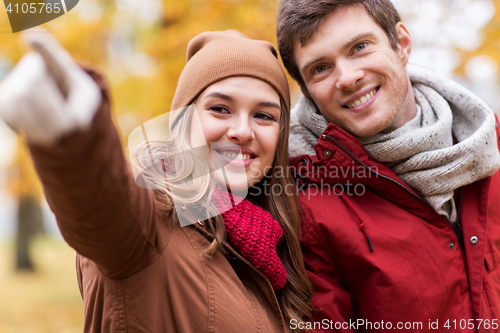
[{"x": 422, "y": 152}]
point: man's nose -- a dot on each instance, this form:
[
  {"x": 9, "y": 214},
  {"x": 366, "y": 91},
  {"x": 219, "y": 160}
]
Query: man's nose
[
  {"x": 240, "y": 130},
  {"x": 348, "y": 75}
]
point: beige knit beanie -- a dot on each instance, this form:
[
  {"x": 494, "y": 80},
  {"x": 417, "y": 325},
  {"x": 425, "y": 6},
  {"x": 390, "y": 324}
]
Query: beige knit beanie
[{"x": 213, "y": 56}]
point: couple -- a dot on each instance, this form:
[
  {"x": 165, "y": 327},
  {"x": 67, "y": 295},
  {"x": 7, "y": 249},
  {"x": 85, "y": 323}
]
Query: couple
[{"x": 418, "y": 250}]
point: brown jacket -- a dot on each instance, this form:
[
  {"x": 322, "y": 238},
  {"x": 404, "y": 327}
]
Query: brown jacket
[{"x": 137, "y": 271}]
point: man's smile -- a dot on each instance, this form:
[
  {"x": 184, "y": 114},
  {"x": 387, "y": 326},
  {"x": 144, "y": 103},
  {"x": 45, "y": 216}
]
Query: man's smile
[{"x": 362, "y": 100}]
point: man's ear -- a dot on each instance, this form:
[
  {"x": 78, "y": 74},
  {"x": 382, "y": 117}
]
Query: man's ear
[{"x": 404, "y": 40}]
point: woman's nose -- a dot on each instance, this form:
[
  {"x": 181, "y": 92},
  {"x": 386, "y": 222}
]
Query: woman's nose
[{"x": 240, "y": 130}]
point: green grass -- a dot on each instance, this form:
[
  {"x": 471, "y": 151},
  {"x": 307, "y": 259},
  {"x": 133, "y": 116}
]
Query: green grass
[{"x": 45, "y": 301}]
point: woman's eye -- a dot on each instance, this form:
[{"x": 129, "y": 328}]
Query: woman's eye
[
  {"x": 360, "y": 46},
  {"x": 265, "y": 116},
  {"x": 219, "y": 109}
]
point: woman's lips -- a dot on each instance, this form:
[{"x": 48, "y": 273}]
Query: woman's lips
[{"x": 235, "y": 156}]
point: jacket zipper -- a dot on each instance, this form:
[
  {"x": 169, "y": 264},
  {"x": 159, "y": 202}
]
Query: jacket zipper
[
  {"x": 341, "y": 146},
  {"x": 455, "y": 227},
  {"x": 354, "y": 157}
]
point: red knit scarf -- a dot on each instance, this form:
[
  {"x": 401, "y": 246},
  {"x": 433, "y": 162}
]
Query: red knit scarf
[{"x": 255, "y": 233}]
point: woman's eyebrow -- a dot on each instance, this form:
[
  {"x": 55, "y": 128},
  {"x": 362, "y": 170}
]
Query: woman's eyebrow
[
  {"x": 271, "y": 104},
  {"x": 229, "y": 98},
  {"x": 220, "y": 95}
]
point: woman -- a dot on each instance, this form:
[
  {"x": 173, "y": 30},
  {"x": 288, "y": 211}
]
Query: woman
[{"x": 238, "y": 268}]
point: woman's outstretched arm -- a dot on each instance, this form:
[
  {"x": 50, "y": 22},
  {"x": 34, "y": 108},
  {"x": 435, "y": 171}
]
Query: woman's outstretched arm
[{"x": 100, "y": 210}]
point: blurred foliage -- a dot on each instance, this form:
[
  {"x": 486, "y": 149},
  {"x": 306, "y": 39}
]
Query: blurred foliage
[{"x": 490, "y": 45}]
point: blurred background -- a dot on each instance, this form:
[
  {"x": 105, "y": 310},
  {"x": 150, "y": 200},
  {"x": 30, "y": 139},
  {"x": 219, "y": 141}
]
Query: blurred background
[{"x": 140, "y": 47}]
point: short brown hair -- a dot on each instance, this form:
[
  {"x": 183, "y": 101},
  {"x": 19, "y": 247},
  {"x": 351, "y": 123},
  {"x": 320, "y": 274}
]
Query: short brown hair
[{"x": 299, "y": 19}]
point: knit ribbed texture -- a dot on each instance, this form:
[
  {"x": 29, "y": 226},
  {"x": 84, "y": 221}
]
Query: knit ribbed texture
[
  {"x": 255, "y": 233},
  {"x": 216, "y": 55}
]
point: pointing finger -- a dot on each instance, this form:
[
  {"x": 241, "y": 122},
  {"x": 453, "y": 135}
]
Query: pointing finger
[{"x": 55, "y": 57}]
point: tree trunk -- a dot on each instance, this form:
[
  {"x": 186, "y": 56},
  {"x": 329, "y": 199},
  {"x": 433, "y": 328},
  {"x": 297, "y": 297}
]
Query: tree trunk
[{"x": 30, "y": 224}]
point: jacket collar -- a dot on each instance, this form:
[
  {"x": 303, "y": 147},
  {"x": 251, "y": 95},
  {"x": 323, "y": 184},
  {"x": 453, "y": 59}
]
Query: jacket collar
[{"x": 341, "y": 159}]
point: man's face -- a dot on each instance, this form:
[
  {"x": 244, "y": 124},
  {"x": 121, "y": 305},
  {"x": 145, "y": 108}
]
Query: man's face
[{"x": 354, "y": 76}]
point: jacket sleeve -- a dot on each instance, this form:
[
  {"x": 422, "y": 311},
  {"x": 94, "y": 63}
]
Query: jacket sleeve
[
  {"x": 332, "y": 309},
  {"x": 100, "y": 210}
]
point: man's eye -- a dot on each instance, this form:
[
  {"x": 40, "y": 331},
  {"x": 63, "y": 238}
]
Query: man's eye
[
  {"x": 319, "y": 69},
  {"x": 359, "y": 47}
]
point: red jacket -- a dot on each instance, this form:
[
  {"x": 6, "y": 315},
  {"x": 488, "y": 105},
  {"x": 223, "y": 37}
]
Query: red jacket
[{"x": 382, "y": 259}]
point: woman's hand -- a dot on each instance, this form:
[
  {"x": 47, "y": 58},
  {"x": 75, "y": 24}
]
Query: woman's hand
[{"x": 46, "y": 95}]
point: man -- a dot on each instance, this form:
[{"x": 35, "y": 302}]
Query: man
[{"x": 398, "y": 171}]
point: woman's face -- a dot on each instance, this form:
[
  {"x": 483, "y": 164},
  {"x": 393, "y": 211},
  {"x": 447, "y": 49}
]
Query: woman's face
[{"x": 239, "y": 119}]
